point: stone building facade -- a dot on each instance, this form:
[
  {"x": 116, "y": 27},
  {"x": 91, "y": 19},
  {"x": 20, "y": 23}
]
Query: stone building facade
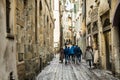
[
  {"x": 46, "y": 27},
  {"x": 80, "y": 24},
  {"x": 67, "y": 20},
  {"x": 26, "y": 37},
  {"x": 102, "y": 34},
  {"x": 61, "y": 9}
]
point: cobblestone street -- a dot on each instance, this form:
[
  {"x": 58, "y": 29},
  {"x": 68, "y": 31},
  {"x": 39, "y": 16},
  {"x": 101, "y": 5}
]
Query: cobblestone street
[
  {"x": 59, "y": 71},
  {"x": 59, "y": 39}
]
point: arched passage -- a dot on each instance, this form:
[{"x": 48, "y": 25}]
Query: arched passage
[{"x": 116, "y": 40}]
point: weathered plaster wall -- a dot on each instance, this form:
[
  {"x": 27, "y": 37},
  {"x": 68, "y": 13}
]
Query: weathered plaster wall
[{"x": 7, "y": 47}]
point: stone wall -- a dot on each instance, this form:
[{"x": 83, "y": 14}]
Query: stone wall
[
  {"x": 26, "y": 37},
  {"x": 107, "y": 34},
  {"x": 7, "y": 45}
]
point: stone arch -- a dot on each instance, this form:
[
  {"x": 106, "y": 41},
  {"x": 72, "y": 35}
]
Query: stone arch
[
  {"x": 116, "y": 40},
  {"x": 116, "y": 18}
]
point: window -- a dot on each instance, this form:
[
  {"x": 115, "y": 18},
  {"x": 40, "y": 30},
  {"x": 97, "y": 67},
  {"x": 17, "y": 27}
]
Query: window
[
  {"x": 25, "y": 3},
  {"x": 44, "y": 21},
  {"x": 106, "y": 22},
  {"x": 50, "y": 26},
  {"x": 109, "y": 1},
  {"x": 9, "y": 29},
  {"x": 20, "y": 57},
  {"x": 40, "y": 8},
  {"x": 8, "y": 16},
  {"x": 50, "y": 5},
  {"x": 11, "y": 76},
  {"x": 74, "y": 8},
  {"x": 35, "y": 21},
  {"x": 47, "y": 19},
  {"x": 89, "y": 28},
  {"x": 95, "y": 26}
]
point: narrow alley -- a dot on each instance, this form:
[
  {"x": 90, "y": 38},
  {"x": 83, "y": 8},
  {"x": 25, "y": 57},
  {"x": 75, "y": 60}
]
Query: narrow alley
[
  {"x": 32, "y": 32},
  {"x": 71, "y": 71}
]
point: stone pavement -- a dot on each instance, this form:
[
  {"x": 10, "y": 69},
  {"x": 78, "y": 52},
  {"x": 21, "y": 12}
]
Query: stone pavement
[{"x": 71, "y": 71}]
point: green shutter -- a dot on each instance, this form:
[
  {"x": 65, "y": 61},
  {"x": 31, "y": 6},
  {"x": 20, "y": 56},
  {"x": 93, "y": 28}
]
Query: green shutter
[{"x": 74, "y": 8}]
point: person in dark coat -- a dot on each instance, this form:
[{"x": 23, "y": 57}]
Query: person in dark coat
[
  {"x": 61, "y": 55},
  {"x": 71, "y": 52},
  {"x": 78, "y": 53},
  {"x": 66, "y": 54}
]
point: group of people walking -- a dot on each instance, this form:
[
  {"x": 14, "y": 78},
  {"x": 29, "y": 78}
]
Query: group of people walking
[
  {"x": 91, "y": 56},
  {"x": 71, "y": 53}
]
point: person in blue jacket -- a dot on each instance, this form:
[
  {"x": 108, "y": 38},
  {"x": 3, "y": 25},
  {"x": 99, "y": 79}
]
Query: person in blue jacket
[{"x": 71, "y": 52}]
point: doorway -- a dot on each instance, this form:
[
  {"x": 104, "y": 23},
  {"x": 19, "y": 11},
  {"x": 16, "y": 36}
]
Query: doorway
[
  {"x": 107, "y": 37},
  {"x": 95, "y": 42}
]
